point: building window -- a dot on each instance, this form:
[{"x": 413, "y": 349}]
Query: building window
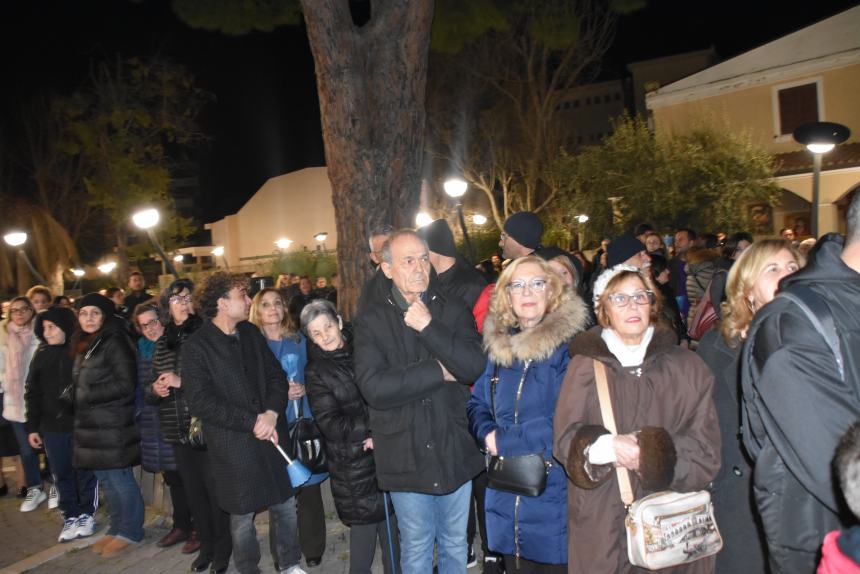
[{"x": 797, "y": 105}]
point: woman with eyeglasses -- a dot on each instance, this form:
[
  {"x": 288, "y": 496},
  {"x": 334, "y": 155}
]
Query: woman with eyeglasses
[
  {"x": 212, "y": 525},
  {"x": 663, "y": 408},
  {"x": 532, "y": 316}
]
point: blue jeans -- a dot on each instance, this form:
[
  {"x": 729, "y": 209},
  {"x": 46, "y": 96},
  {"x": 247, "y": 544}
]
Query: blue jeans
[
  {"x": 29, "y": 457},
  {"x": 284, "y": 523},
  {"x": 125, "y": 504},
  {"x": 78, "y": 488},
  {"x": 427, "y": 518}
]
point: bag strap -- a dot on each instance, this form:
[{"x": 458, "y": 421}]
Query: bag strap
[
  {"x": 608, "y": 416},
  {"x": 818, "y": 313},
  {"x": 493, "y": 382}
]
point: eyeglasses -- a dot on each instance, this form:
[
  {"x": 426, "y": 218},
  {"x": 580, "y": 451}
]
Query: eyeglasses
[
  {"x": 536, "y": 285},
  {"x": 503, "y": 237},
  {"x": 180, "y": 299},
  {"x": 150, "y": 325},
  {"x": 19, "y": 310},
  {"x": 640, "y": 298}
]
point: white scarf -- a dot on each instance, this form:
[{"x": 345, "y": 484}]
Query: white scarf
[{"x": 628, "y": 355}]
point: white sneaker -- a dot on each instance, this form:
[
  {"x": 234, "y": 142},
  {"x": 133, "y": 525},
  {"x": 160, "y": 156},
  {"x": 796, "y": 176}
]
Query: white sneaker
[
  {"x": 53, "y": 497},
  {"x": 69, "y": 531},
  {"x": 294, "y": 570},
  {"x": 35, "y": 497},
  {"x": 85, "y": 525}
]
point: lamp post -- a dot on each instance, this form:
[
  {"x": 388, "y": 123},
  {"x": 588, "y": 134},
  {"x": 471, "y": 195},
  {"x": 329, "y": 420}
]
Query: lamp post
[
  {"x": 78, "y": 273},
  {"x": 18, "y": 239},
  {"x": 146, "y": 219},
  {"x": 456, "y": 188},
  {"x": 219, "y": 252},
  {"x": 582, "y": 219},
  {"x": 423, "y": 218},
  {"x": 320, "y": 238},
  {"x": 106, "y": 268},
  {"x": 819, "y": 138}
]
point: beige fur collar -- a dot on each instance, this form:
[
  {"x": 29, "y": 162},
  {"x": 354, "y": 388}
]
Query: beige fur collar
[{"x": 505, "y": 347}]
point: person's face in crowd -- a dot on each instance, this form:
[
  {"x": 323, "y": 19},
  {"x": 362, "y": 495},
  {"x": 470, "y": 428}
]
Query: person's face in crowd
[
  {"x": 236, "y": 305},
  {"x": 180, "y": 306},
  {"x": 294, "y": 280},
  {"x": 511, "y": 248},
  {"x": 682, "y": 242},
  {"x": 91, "y": 319},
  {"x": 410, "y": 266},
  {"x": 118, "y": 298},
  {"x": 283, "y": 280},
  {"x": 271, "y": 309},
  {"x": 764, "y": 288},
  {"x": 652, "y": 243},
  {"x": 150, "y": 325},
  {"x": 641, "y": 260},
  {"x": 604, "y": 244},
  {"x": 136, "y": 282},
  {"x": 65, "y": 303},
  {"x": 742, "y": 246},
  {"x": 527, "y": 293},
  {"x": 40, "y": 301},
  {"x": 4, "y": 308},
  {"x": 628, "y": 317},
  {"x": 21, "y": 313},
  {"x": 562, "y": 272},
  {"x": 321, "y": 282},
  {"x": 376, "y": 243},
  {"x": 52, "y": 334},
  {"x": 305, "y": 286},
  {"x": 496, "y": 260},
  {"x": 788, "y": 234},
  {"x": 325, "y": 332}
]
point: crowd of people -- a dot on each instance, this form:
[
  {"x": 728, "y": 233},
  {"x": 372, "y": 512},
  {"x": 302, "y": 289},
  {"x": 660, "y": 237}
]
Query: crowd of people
[{"x": 729, "y": 364}]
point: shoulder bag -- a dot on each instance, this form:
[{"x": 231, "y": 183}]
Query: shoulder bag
[
  {"x": 305, "y": 441},
  {"x": 665, "y": 528},
  {"x": 525, "y": 474}
]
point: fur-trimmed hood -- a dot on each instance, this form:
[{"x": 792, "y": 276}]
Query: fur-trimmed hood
[
  {"x": 506, "y": 346},
  {"x": 700, "y": 255}
]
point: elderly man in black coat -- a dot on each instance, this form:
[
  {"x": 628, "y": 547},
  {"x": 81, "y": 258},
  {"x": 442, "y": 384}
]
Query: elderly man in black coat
[
  {"x": 236, "y": 387},
  {"x": 416, "y": 352}
]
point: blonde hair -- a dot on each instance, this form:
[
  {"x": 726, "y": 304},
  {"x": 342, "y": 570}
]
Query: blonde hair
[
  {"x": 500, "y": 304},
  {"x": 736, "y": 311},
  {"x": 288, "y": 326}
]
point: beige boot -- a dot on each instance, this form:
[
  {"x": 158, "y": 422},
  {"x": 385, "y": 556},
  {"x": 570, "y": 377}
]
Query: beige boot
[
  {"x": 116, "y": 546},
  {"x": 100, "y": 544}
]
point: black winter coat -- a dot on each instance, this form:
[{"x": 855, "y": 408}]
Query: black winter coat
[
  {"x": 50, "y": 373},
  {"x": 463, "y": 281},
  {"x": 228, "y": 381},
  {"x": 341, "y": 415},
  {"x": 420, "y": 428},
  {"x": 796, "y": 408},
  {"x": 105, "y": 434}
]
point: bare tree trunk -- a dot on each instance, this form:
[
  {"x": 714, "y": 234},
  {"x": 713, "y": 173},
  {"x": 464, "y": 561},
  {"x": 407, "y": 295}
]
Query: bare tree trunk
[
  {"x": 371, "y": 83},
  {"x": 121, "y": 253}
]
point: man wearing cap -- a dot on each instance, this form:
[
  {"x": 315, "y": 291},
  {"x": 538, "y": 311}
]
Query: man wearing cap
[
  {"x": 520, "y": 235},
  {"x": 455, "y": 275},
  {"x": 628, "y": 250}
]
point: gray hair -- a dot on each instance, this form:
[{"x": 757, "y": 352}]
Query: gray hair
[
  {"x": 384, "y": 229},
  {"x": 315, "y": 309},
  {"x": 852, "y": 220},
  {"x": 847, "y": 462},
  {"x": 386, "y": 247}
]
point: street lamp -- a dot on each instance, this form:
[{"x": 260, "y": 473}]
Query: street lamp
[
  {"x": 78, "y": 273},
  {"x": 321, "y": 237},
  {"x": 819, "y": 138},
  {"x": 179, "y": 258},
  {"x": 582, "y": 219},
  {"x": 18, "y": 239},
  {"x": 219, "y": 252},
  {"x": 479, "y": 219},
  {"x": 423, "y": 219},
  {"x": 283, "y": 243},
  {"x": 147, "y": 219},
  {"x": 106, "y": 268},
  {"x": 456, "y": 188}
]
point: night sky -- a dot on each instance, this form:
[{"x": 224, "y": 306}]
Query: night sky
[{"x": 265, "y": 120}]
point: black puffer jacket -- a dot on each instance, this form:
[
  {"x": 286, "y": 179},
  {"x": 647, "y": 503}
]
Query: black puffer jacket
[
  {"x": 796, "y": 408},
  {"x": 50, "y": 373},
  {"x": 105, "y": 434},
  {"x": 172, "y": 409},
  {"x": 341, "y": 415},
  {"x": 463, "y": 281},
  {"x": 420, "y": 428}
]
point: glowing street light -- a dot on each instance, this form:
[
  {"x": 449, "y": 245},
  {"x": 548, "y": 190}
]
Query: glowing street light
[
  {"x": 106, "y": 268},
  {"x": 455, "y": 187},
  {"x": 321, "y": 236},
  {"x": 179, "y": 258},
  {"x": 819, "y": 138},
  {"x": 15, "y": 238},
  {"x": 582, "y": 218},
  {"x": 18, "y": 239},
  {"x": 283, "y": 243},
  {"x": 422, "y": 219},
  {"x": 218, "y": 251},
  {"x": 147, "y": 219},
  {"x": 479, "y": 219},
  {"x": 78, "y": 272}
]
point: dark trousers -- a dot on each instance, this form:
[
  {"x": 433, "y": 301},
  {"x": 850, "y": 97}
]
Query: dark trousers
[
  {"x": 476, "y": 510},
  {"x": 529, "y": 567},
  {"x": 362, "y": 546},
  {"x": 311, "y": 521},
  {"x": 181, "y": 510},
  {"x": 212, "y": 523},
  {"x": 78, "y": 488},
  {"x": 285, "y": 542}
]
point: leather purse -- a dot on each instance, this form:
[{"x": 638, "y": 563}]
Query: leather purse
[
  {"x": 305, "y": 442},
  {"x": 665, "y": 528},
  {"x": 524, "y": 474},
  {"x": 194, "y": 438}
]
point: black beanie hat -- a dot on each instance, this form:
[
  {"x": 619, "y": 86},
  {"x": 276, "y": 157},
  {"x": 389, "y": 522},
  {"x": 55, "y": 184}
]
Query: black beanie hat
[
  {"x": 525, "y": 228},
  {"x": 61, "y": 317},
  {"x": 622, "y": 248},
  {"x": 104, "y": 304},
  {"x": 439, "y": 238}
]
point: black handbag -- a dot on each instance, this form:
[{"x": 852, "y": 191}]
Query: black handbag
[
  {"x": 305, "y": 442},
  {"x": 524, "y": 474}
]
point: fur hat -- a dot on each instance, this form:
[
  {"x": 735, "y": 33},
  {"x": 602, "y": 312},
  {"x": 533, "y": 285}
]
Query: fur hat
[
  {"x": 105, "y": 305},
  {"x": 439, "y": 238},
  {"x": 526, "y": 229},
  {"x": 61, "y": 317},
  {"x": 605, "y": 277},
  {"x": 622, "y": 248}
]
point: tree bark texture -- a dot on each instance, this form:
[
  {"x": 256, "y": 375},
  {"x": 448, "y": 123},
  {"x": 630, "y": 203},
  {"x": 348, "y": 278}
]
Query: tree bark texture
[{"x": 371, "y": 82}]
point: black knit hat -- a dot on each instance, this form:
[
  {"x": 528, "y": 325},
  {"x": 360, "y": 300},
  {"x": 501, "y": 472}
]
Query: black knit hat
[
  {"x": 525, "y": 228},
  {"x": 439, "y": 238},
  {"x": 622, "y": 248},
  {"x": 105, "y": 305},
  {"x": 60, "y": 316}
]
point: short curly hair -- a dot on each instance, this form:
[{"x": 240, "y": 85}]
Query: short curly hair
[{"x": 217, "y": 286}]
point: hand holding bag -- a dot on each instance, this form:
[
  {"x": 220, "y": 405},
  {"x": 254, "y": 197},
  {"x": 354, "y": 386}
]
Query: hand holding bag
[
  {"x": 305, "y": 441},
  {"x": 665, "y": 528},
  {"x": 525, "y": 474}
]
